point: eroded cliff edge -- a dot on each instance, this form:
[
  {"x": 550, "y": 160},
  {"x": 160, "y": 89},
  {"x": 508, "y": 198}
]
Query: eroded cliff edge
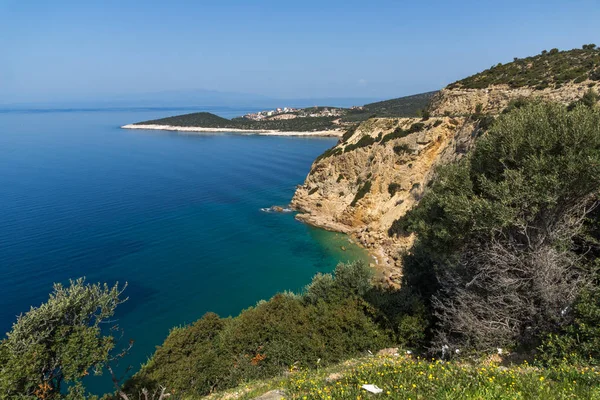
[{"x": 377, "y": 173}]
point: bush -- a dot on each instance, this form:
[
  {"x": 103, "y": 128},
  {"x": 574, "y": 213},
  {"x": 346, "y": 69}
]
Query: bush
[
  {"x": 402, "y": 149},
  {"x": 578, "y": 342},
  {"x": 362, "y": 191},
  {"x": 335, "y": 150},
  {"x": 349, "y": 133},
  {"x": 393, "y": 188},
  {"x": 551, "y": 68},
  {"x": 52, "y": 347},
  {"x": 364, "y": 141},
  {"x": 325, "y": 325},
  {"x": 398, "y": 133},
  {"x": 496, "y": 231}
]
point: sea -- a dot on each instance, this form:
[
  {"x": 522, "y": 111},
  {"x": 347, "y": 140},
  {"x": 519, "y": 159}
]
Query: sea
[{"x": 180, "y": 218}]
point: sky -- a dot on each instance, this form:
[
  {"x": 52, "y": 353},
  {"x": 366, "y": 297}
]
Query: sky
[{"x": 74, "y": 49}]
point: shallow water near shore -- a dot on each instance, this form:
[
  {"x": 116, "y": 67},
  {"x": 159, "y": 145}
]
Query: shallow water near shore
[{"x": 178, "y": 217}]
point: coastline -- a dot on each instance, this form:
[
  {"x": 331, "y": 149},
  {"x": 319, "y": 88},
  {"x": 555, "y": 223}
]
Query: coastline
[
  {"x": 198, "y": 129},
  {"x": 382, "y": 262}
]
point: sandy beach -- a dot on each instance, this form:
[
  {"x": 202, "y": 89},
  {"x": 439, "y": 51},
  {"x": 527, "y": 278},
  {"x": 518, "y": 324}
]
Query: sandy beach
[{"x": 192, "y": 129}]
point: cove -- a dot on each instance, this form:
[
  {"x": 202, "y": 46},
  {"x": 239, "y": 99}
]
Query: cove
[{"x": 178, "y": 217}]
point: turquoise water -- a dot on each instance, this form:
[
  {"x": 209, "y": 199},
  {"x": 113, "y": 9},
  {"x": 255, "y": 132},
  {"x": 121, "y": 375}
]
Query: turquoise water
[{"x": 176, "y": 216}]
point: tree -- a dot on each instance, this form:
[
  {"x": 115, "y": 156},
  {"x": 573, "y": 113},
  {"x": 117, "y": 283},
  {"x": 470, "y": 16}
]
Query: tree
[
  {"x": 52, "y": 347},
  {"x": 496, "y": 232}
]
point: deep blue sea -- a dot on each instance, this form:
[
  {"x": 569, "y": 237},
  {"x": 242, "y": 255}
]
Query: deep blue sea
[{"x": 176, "y": 216}]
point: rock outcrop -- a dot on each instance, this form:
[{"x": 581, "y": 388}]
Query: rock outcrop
[
  {"x": 379, "y": 173},
  {"x": 361, "y": 191},
  {"x": 494, "y": 99}
]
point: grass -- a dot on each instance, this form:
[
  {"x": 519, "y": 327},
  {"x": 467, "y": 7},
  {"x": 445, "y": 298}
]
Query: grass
[{"x": 406, "y": 377}]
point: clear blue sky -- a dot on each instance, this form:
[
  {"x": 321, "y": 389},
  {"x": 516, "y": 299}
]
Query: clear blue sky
[{"x": 55, "y": 49}]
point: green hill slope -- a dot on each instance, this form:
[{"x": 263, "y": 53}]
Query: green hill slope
[
  {"x": 407, "y": 106},
  {"x": 549, "y": 69}
]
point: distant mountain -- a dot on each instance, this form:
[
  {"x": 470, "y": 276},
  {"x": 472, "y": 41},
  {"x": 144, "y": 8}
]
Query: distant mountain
[{"x": 193, "y": 98}]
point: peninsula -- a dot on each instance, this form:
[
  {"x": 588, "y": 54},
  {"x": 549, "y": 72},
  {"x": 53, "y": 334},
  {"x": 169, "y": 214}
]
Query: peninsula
[{"x": 311, "y": 121}]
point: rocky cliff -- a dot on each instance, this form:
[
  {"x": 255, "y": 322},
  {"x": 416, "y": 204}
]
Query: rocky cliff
[
  {"x": 495, "y": 98},
  {"x": 376, "y": 174}
]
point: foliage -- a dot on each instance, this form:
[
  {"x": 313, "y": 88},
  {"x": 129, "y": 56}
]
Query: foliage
[
  {"x": 52, "y": 347},
  {"x": 364, "y": 141},
  {"x": 208, "y": 120},
  {"x": 548, "y": 69},
  {"x": 349, "y": 132},
  {"x": 577, "y": 342},
  {"x": 589, "y": 99},
  {"x": 409, "y": 378},
  {"x": 327, "y": 324},
  {"x": 362, "y": 191},
  {"x": 393, "y": 188},
  {"x": 334, "y": 151},
  {"x": 496, "y": 231},
  {"x": 402, "y": 149},
  {"x": 399, "y": 133},
  {"x": 408, "y": 106}
]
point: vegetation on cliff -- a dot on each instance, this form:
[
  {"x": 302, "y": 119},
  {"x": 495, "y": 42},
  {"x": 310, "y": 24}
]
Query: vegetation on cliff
[
  {"x": 507, "y": 238},
  {"x": 549, "y": 69},
  {"x": 505, "y": 260},
  {"x": 330, "y": 322},
  {"x": 407, "y": 106}
]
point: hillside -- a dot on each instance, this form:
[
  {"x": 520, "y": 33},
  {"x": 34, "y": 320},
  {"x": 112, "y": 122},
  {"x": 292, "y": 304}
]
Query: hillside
[
  {"x": 407, "y": 106},
  {"x": 550, "y": 69},
  {"x": 561, "y": 76},
  {"x": 379, "y": 171},
  {"x": 309, "y": 119},
  {"x": 483, "y": 216}
]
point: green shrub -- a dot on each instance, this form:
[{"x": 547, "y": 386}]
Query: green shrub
[
  {"x": 313, "y": 191},
  {"x": 551, "y": 68},
  {"x": 52, "y": 347},
  {"x": 578, "y": 342},
  {"x": 393, "y": 188},
  {"x": 485, "y": 223},
  {"x": 398, "y": 133},
  {"x": 364, "y": 141},
  {"x": 402, "y": 149},
  {"x": 329, "y": 323},
  {"x": 362, "y": 191},
  {"x": 411, "y": 331},
  {"x": 589, "y": 99},
  {"x": 416, "y": 127},
  {"x": 349, "y": 133},
  {"x": 334, "y": 151}
]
